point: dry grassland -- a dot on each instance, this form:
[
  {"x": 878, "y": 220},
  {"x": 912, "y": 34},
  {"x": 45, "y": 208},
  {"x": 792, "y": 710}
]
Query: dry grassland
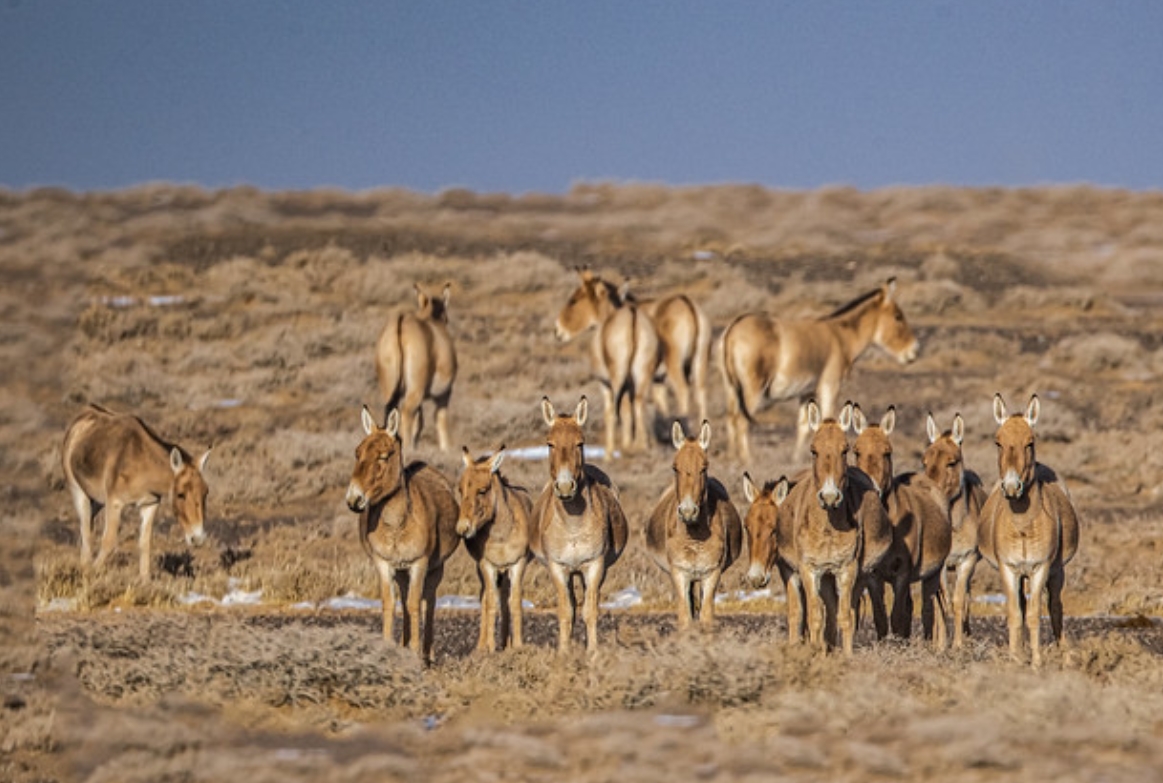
[{"x": 247, "y": 319}]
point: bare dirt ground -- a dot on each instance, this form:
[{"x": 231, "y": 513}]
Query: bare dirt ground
[{"x": 247, "y": 319}]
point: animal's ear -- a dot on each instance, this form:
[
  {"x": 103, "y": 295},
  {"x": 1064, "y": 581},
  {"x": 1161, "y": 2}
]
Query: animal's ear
[
  {"x": 677, "y": 436},
  {"x": 583, "y": 407},
  {"x": 203, "y": 458},
  {"x": 584, "y": 273},
  {"x": 421, "y": 297},
  {"x": 369, "y": 424},
  {"x": 958, "y": 429},
  {"x": 176, "y": 460},
  {"x": 999, "y": 409},
  {"x": 888, "y": 420},
  {"x": 392, "y": 425},
  {"x": 889, "y": 289},
  {"x": 845, "y": 417},
  {"x": 859, "y": 423},
  {"x": 931, "y": 428},
  {"x": 547, "y": 412},
  {"x": 498, "y": 458},
  {"x": 465, "y": 457},
  {"x": 750, "y": 491},
  {"x": 446, "y": 294},
  {"x": 705, "y": 435},
  {"x": 813, "y": 414},
  {"x": 1032, "y": 410},
  {"x": 782, "y": 487}
]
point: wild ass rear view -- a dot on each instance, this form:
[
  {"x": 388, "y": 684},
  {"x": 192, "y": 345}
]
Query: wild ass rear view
[
  {"x": 921, "y": 535},
  {"x": 767, "y": 358},
  {"x": 1029, "y": 529},
  {"x": 625, "y": 355},
  {"x": 579, "y": 527},
  {"x": 495, "y": 521},
  {"x": 115, "y": 460},
  {"x": 945, "y": 467},
  {"x": 416, "y": 361},
  {"x": 407, "y": 525},
  {"x": 694, "y": 533}
]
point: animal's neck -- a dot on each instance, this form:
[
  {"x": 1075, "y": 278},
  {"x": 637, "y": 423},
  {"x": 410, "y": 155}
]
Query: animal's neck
[{"x": 396, "y": 506}]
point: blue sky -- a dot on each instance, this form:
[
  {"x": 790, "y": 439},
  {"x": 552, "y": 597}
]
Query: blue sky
[{"x": 535, "y": 96}]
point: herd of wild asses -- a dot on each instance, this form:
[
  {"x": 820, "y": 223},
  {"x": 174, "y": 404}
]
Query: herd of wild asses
[{"x": 837, "y": 530}]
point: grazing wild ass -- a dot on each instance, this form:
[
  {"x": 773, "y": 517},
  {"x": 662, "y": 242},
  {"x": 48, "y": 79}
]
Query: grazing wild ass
[
  {"x": 945, "y": 467},
  {"x": 766, "y": 358},
  {"x": 415, "y": 361},
  {"x": 407, "y": 525},
  {"x": 921, "y": 535},
  {"x": 770, "y": 544},
  {"x": 625, "y": 354},
  {"x": 1028, "y": 529},
  {"x": 578, "y": 524},
  {"x": 839, "y": 527},
  {"x": 114, "y": 460},
  {"x": 694, "y": 533},
  {"x": 495, "y": 521}
]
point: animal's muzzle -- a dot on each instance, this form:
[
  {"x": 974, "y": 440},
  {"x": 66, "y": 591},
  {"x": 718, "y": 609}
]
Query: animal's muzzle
[
  {"x": 196, "y": 537},
  {"x": 560, "y": 332},
  {"x": 465, "y": 527},
  {"x": 688, "y": 511},
  {"x": 758, "y": 576},
  {"x": 1012, "y": 485},
  {"x": 565, "y": 485},
  {"x": 910, "y": 354},
  {"x": 355, "y": 497},
  {"x": 829, "y": 495}
]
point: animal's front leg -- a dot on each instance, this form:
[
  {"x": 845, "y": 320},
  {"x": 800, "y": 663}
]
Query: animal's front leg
[
  {"x": 709, "y": 584},
  {"x": 488, "y": 640},
  {"x": 388, "y": 598},
  {"x": 516, "y": 609},
  {"x": 1012, "y": 586},
  {"x": 1054, "y": 585},
  {"x": 814, "y": 608},
  {"x": 933, "y": 612},
  {"x": 794, "y": 592},
  {"x": 84, "y": 508},
  {"x": 961, "y": 600},
  {"x": 432, "y": 578},
  {"x": 682, "y": 597},
  {"x": 565, "y": 605},
  {"x": 145, "y": 537},
  {"x": 417, "y": 570},
  {"x": 845, "y": 613},
  {"x": 1038, "y": 581},
  {"x": 594, "y": 574}
]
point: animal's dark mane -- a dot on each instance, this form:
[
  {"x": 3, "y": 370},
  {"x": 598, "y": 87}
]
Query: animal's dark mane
[{"x": 855, "y": 304}]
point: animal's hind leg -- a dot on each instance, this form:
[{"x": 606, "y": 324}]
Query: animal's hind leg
[
  {"x": 1054, "y": 585},
  {"x": 933, "y": 609},
  {"x": 610, "y": 421},
  {"x": 442, "y": 421},
  {"x": 85, "y": 508},
  {"x": 113, "y": 511},
  {"x": 961, "y": 601},
  {"x": 145, "y": 538},
  {"x": 432, "y": 580},
  {"x": 876, "y": 599}
]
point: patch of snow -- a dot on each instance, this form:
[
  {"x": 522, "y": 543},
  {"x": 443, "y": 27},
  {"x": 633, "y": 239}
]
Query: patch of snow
[{"x": 624, "y": 599}]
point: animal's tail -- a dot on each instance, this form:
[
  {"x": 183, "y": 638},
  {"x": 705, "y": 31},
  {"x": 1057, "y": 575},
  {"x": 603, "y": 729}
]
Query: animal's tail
[{"x": 390, "y": 363}]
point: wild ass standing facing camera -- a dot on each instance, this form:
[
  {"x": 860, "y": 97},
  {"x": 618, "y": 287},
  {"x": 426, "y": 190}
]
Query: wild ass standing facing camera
[
  {"x": 945, "y": 467},
  {"x": 1028, "y": 530},
  {"x": 839, "y": 526},
  {"x": 694, "y": 533},
  {"x": 495, "y": 521},
  {"x": 921, "y": 535},
  {"x": 415, "y": 361},
  {"x": 767, "y": 358},
  {"x": 579, "y": 527},
  {"x": 770, "y": 543},
  {"x": 407, "y": 525},
  {"x": 114, "y": 460},
  {"x": 625, "y": 355}
]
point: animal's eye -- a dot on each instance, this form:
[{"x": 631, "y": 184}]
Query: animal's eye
[
  {"x": 482, "y": 492},
  {"x": 384, "y": 457},
  {"x": 181, "y": 496}
]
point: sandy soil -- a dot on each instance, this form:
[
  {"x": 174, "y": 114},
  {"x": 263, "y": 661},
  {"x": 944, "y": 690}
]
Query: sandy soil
[{"x": 246, "y": 319}]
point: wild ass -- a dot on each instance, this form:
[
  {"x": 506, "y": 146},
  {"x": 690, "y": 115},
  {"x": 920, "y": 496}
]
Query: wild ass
[
  {"x": 114, "y": 460},
  {"x": 921, "y": 535},
  {"x": 839, "y": 527},
  {"x": 495, "y": 521},
  {"x": 945, "y": 467},
  {"x": 407, "y": 525},
  {"x": 579, "y": 527},
  {"x": 416, "y": 361},
  {"x": 625, "y": 354},
  {"x": 694, "y": 533},
  {"x": 766, "y": 358},
  {"x": 770, "y": 544},
  {"x": 1028, "y": 529}
]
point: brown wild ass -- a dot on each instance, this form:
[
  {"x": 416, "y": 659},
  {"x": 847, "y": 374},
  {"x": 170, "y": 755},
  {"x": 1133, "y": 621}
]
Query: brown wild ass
[
  {"x": 114, "y": 460},
  {"x": 1028, "y": 529},
  {"x": 694, "y": 533},
  {"x": 685, "y": 335},
  {"x": 770, "y": 542},
  {"x": 407, "y": 525},
  {"x": 921, "y": 535},
  {"x": 495, "y": 520},
  {"x": 945, "y": 467},
  {"x": 625, "y": 354},
  {"x": 766, "y": 358},
  {"x": 839, "y": 527},
  {"x": 415, "y": 361},
  {"x": 579, "y": 527}
]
